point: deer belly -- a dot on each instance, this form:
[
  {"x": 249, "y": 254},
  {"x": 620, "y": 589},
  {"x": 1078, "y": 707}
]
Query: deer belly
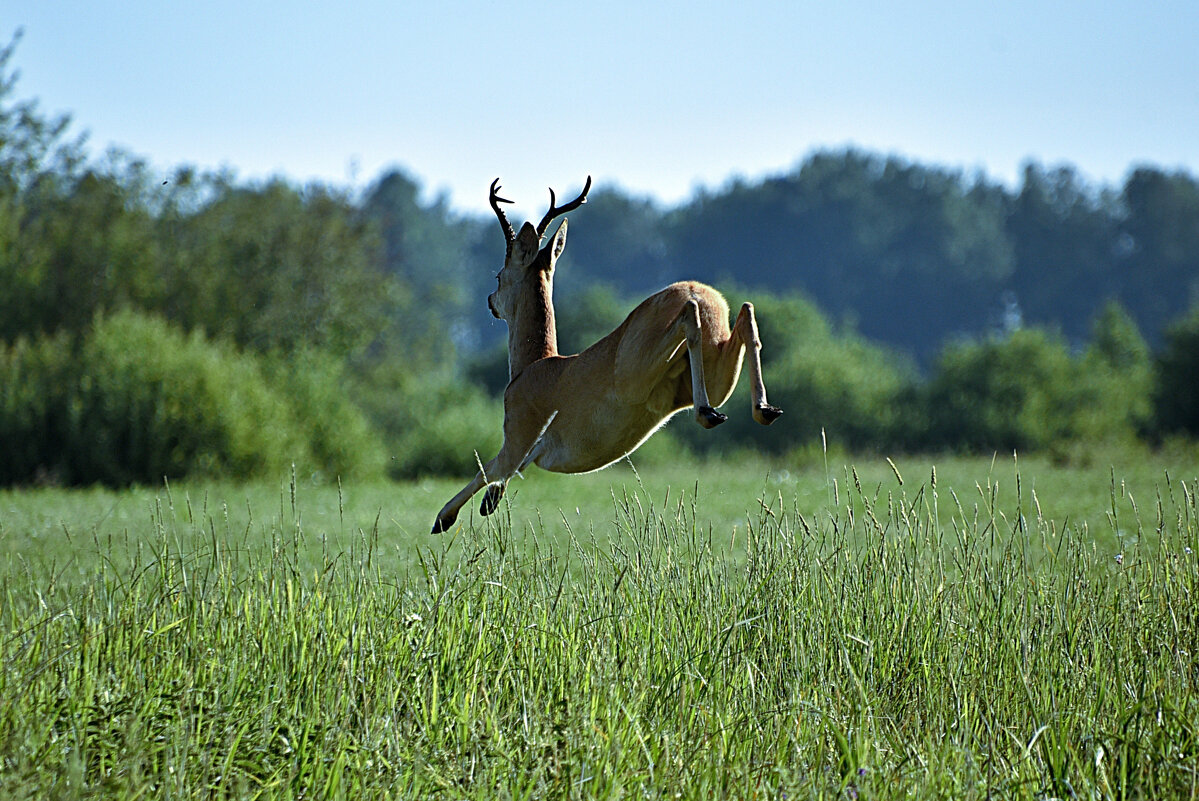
[{"x": 595, "y": 443}]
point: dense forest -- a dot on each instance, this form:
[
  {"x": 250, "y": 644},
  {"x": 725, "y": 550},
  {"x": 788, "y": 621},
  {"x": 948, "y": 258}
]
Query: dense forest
[{"x": 190, "y": 323}]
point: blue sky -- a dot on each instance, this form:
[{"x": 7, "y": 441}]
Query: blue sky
[{"x": 659, "y": 98}]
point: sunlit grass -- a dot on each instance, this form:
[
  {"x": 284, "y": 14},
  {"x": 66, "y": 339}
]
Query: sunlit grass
[
  {"x": 834, "y": 631},
  {"x": 73, "y": 529}
]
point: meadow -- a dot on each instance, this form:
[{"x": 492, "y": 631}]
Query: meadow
[{"x": 825, "y": 628}]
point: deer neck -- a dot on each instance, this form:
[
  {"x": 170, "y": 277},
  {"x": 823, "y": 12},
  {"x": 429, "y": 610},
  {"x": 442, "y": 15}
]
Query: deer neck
[{"x": 532, "y": 335}]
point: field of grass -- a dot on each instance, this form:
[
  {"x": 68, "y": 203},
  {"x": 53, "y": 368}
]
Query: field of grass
[{"x": 957, "y": 628}]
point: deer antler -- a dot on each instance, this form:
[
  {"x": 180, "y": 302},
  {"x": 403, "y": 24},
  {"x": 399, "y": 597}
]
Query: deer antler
[
  {"x": 555, "y": 211},
  {"x": 496, "y": 200}
]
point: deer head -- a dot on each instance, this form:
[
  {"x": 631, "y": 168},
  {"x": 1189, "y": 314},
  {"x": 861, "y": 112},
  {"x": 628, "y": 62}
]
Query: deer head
[{"x": 528, "y": 271}]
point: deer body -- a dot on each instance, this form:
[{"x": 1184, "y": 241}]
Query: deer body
[
  {"x": 575, "y": 414},
  {"x": 611, "y": 397}
]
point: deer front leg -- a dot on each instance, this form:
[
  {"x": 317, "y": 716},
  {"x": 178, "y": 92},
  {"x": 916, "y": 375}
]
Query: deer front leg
[
  {"x": 522, "y": 437},
  {"x": 745, "y": 333},
  {"x": 494, "y": 476},
  {"x": 449, "y": 512}
]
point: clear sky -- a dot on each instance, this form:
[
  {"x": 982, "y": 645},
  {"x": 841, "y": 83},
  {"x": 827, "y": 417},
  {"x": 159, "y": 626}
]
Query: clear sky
[{"x": 659, "y": 98}]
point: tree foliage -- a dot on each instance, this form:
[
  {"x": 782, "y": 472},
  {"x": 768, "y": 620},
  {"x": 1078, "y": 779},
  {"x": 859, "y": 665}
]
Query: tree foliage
[
  {"x": 867, "y": 238},
  {"x": 1176, "y": 399},
  {"x": 1066, "y": 242},
  {"x": 901, "y": 305},
  {"x": 136, "y": 400},
  {"x": 271, "y": 267},
  {"x": 1013, "y": 393},
  {"x": 1118, "y": 378}
]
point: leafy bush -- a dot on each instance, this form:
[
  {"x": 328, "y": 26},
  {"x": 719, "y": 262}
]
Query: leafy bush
[
  {"x": 151, "y": 402},
  {"x": 1176, "y": 394},
  {"x": 1019, "y": 392},
  {"x": 433, "y": 421},
  {"x": 33, "y": 375},
  {"x": 320, "y": 392},
  {"x": 458, "y": 428},
  {"x": 136, "y": 400},
  {"x": 1117, "y": 378}
]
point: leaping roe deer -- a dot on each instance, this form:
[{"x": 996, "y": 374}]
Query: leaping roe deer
[{"x": 575, "y": 414}]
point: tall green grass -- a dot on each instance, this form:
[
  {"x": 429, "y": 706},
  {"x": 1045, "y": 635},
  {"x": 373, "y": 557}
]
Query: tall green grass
[{"x": 900, "y": 640}]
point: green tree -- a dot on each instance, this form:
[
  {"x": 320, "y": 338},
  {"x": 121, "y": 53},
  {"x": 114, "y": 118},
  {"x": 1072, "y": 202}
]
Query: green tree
[
  {"x": 1176, "y": 396},
  {"x": 1116, "y": 374},
  {"x": 38, "y": 167},
  {"x": 434, "y": 260},
  {"x": 1161, "y": 231},
  {"x": 85, "y": 248},
  {"x": 909, "y": 253},
  {"x": 1014, "y": 393},
  {"x": 34, "y": 149},
  {"x": 274, "y": 268},
  {"x": 1065, "y": 235},
  {"x": 619, "y": 241}
]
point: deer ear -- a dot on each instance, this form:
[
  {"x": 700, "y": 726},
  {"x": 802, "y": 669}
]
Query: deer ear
[
  {"x": 524, "y": 249},
  {"x": 559, "y": 243}
]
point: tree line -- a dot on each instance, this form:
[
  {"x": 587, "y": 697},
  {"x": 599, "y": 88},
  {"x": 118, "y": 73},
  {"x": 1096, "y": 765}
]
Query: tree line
[
  {"x": 190, "y": 323},
  {"x": 912, "y": 255}
]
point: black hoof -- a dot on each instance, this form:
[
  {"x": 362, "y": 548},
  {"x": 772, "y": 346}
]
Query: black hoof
[
  {"x": 708, "y": 417},
  {"x": 491, "y": 499},
  {"x": 766, "y": 415},
  {"x": 442, "y": 524}
]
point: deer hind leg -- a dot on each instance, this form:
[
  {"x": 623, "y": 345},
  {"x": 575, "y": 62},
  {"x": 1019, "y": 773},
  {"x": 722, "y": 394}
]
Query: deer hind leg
[
  {"x": 649, "y": 355},
  {"x": 745, "y": 334},
  {"x": 515, "y": 455},
  {"x": 688, "y": 325}
]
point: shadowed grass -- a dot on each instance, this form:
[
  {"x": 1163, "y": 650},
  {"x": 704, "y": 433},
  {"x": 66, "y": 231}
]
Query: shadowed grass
[{"x": 892, "y": 639}]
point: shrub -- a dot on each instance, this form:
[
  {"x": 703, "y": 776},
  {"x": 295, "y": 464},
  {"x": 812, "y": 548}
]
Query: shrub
[
  {"x": 1176, "y": 394},
  {"x": 432, "y": 420},
  {"x": 33, "y": 378},
  {"x": 1019, "y": 392},
  {"x": 449, "y": 429},
  {"x": 1117, "y": 379},
  {"x": 151, "y": 402},
  {"x": 136, "y": 400},
  {"x": 320, "y": 392}
]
